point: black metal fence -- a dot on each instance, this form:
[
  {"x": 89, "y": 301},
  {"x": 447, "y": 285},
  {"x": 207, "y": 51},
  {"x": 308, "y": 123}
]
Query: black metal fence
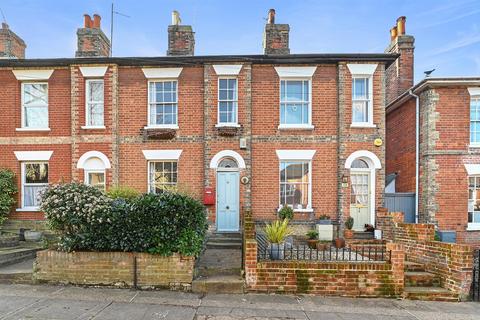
[
  {"x": 476, "y": 276},
  {"x": 290, "y": 251}
]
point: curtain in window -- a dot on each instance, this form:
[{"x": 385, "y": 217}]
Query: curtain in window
[{"x": 35, "y": 105}]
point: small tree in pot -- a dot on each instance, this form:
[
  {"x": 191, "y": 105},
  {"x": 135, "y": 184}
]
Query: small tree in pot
[
  {"x": 349, "y": 226},
  {"x": 276, "y": 232},
  {"x": 312, "y": 240},
  {"x": 285, "y": 213}
]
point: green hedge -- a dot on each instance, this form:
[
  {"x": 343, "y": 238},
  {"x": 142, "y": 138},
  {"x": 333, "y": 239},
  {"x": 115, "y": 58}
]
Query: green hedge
[
  {"x": 86, "y": 219},
  {"x": 8, "y": 189}
]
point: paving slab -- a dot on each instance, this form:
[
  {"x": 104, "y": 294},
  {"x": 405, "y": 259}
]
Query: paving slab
[
  {"x": 138, "y": 311},
  {"x": 95, "y": 294},
  {"x": 168, "y": 297},
  {"x": 9, "y": 304}
]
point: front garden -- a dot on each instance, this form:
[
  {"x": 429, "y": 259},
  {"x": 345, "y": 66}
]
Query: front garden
[{"x": 121, "y": 238}]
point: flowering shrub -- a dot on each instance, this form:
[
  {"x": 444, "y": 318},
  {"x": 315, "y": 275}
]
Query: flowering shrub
[
  {"x": 86, "y": 219},
  {"x": 7, "y": 190}
]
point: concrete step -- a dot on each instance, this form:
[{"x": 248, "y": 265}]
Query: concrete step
[
  {"x": 218, "y": 284},
  {"x": 413, "y": 267},
  {"x": 209, "y": 271},
  {"x": 224, "y": 239},
  {"x": 223, "y": 245},
  {"x": 18, "y": 273},
  {"x": 14, "y": 255},
  {"x": 421, "y": 279},
  {"x": 363, "y": 235},
  {"x": 429, "y": 294}
]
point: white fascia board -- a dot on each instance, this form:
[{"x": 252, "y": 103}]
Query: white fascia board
[
  {"x": 472, "y": 169},
  {"x": 161, "y": 73},
  {"x": 363, "y": 69},
  {"x": 474, "y": 91},
  {"x": 295, "y": 154},
  {"x": 32, "y": 75},
  {"x": 295, "y": 72},
  {"x": 90, "y": 72},
  {"x": 227, "y": 69},
  {"x": 162, "y": 154},
  {"x": 33, "y": 155}
]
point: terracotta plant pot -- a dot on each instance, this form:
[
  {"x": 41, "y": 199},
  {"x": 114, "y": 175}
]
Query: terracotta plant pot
[
  {"x": 312, "y": 243},
  {"x": 348, "y": 234},
  {"x": 339, "y": 243},
  {"x": 322, "y": 246}
]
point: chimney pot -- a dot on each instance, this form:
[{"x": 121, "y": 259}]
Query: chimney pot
[
  {"x": 96, "y": 21},
  {"x": 271, "y": 16},
  {"x": 393, "y": 33},
  {"x": 4, "y": 25},
  {"x": 401, "y": 25},
  {"x": 87, "y": 21},
  {"x": 176, "y": 18}
]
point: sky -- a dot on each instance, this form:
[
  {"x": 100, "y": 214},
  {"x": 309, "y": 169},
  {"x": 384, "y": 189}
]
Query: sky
[{"x": 447, "y": 33}]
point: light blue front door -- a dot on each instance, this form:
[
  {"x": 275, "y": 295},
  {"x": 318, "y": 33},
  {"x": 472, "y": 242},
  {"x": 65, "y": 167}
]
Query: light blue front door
[{"x": 227, "y": 201}]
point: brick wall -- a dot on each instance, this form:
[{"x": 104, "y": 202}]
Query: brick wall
[
  {"x": 453, "y": 263},
  {"x": 114, "y": 269}
]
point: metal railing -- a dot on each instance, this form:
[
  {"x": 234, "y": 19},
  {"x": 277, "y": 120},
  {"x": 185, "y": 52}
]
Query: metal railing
[
  {"x": 476, "y": 276},
  {"x": 289, "y": 251}
]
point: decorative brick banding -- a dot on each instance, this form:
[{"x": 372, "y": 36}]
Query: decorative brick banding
[{"x": 115, "y": 269}]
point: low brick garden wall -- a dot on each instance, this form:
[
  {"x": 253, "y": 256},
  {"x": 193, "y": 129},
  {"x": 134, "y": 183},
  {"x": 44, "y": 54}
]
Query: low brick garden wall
[
  {"x": 115, "y": 269},
  {"x": 453, "y": 263}
]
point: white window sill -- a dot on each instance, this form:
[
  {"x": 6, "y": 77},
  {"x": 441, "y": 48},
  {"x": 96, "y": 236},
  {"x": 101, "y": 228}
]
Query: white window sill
[
  {"x": 307, "y": 210},
  {"x": 474, "y": 145},
  {"x": 93, "y": 127},
  {"x": 28, "y": 209},
  {"x": 175, "y": 127},
  {"x": 296, "y": 127},
  {"x": 473, "y": 227},
  {"x": 363, "y": 125},
  {"x": 227, "y": 125},
  {"x": 32, "y": 129}
]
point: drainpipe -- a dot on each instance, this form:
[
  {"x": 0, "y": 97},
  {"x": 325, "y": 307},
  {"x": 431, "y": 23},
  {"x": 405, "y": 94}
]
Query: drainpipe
[{"x": 417, "y": 149}]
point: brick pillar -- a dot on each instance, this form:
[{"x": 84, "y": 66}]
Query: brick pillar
[
  {"x": 11, "y": 45},
  {"x": 251, "y": 262},
  {"x": 397, "y": 261}
]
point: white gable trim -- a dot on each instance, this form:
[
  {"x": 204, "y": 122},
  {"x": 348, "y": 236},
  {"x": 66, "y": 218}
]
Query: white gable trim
[
  {"x": 162, "y": 154},
  {"x": 473, "y": 169},
  {"x": 295, "y": 72},
  {"x": 365, "y": 154},
  {"x": 159, "y": 73},
  {"x": 93, "y": 154},
  {"x": 227, "y": 153},
  {"x": 295, "y": 154},
  {"x": 32, "y": 75},
  {"x": 227, "y": 69},
  {"x": 474, "y": 91},
  {"x": 33, "y": 155},
  {"x": 89, "y": 72},
  {"x": 364, "y": 69}
]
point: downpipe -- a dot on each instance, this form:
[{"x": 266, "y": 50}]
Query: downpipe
[{"x": 417, "y": 149}]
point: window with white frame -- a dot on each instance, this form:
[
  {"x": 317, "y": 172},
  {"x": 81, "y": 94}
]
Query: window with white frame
[
  {"x": 474, "y": 199},
  {"x": 162, "y": 176},
  {"x": 34, "y": 180},
  {"x": 227, "y": 101},
  {"x": 295, "y": 102},
  {"x": 163, "y": 103},
  {"x": 34, "y": 105},
  {"x": 95, "y": 178},
  {"x": 94, "y": 102},
  {"x": 295, "y": 179},
  {"x": 362, "y": 100},
  {"x": 475, "y": 120}
]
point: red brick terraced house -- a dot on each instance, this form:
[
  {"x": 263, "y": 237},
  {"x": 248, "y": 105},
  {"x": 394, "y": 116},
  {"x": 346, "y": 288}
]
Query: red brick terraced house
[
  {"x": 243, "y": 132},
  {"x": 443, "y": 116}
]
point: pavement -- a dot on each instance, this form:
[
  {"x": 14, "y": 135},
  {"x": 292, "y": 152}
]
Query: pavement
[{"x": 69, "y": 302}]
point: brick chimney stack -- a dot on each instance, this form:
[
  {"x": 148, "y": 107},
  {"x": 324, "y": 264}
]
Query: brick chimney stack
[
  {"x": 181, "y": 38},
  {"x": 91, "y": 40},
  {"x": 399, "y": 75},
  {"x": 11, "y": 45},
  {"x": 275, "y": 37}
]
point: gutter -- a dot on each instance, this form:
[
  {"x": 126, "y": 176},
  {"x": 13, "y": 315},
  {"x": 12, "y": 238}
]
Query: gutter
[{"x": 417, "y": 149}]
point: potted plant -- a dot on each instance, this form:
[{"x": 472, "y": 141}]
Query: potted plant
[
  {"x": 339, "y": 243},
  {"x": 349, "y": 225},
  {"x": 324, "y": 219},
  {"x": 286, "y": 212},
  {"x": 323, "y": 245},
  {"x": 276, "y": 232},
  {"x": 312, "y": 240}
]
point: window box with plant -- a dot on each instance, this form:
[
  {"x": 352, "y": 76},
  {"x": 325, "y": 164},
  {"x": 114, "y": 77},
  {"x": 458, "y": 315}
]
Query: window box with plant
[
  {"x": 348, "y": 228},
  {"x": 312, "y": 239},
  {"x": 276, "y": 232}
]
